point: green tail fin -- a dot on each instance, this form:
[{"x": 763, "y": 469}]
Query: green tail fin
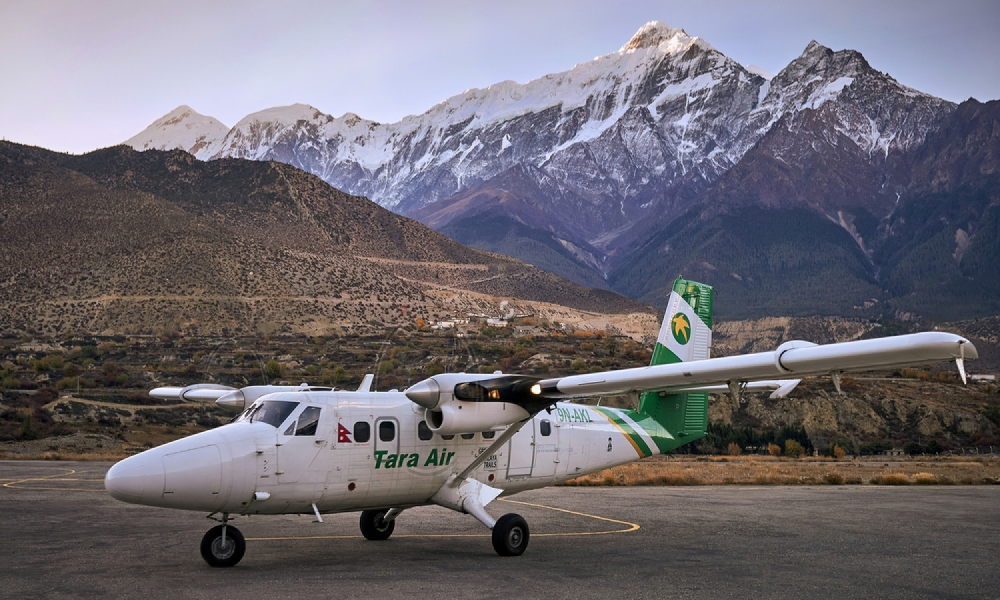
[{"x": 685, "y": 335}]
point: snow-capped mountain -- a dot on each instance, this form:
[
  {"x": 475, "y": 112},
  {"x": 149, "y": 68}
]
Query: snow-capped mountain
[
  {"x": 182, "y": 129},
  {"x": 665, "y": 106},
  {"x": 609, "y": 142},
  {"x": 587, "y": 172}
]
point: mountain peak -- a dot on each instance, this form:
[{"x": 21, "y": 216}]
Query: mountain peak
[
  {"x": 814, "y": 47},
  {"x": 655, "y": 33},
  {"x": 182, "y": 128},
  {"x": 287, "y": 115}
]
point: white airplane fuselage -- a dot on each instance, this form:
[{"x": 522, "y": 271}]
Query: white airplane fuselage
[{"x": 256, "y": 468}]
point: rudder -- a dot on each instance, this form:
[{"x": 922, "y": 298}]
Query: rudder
[{"x": 685, "y": 335}]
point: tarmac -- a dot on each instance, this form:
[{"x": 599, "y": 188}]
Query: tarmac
[{"x": 63, "y": 536}]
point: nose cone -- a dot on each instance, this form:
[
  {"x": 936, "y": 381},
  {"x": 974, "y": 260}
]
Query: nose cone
[
  {"x": 137, "y": 480},
  {"x": 425, "y": 393},
  {"x": 234, "y": 400}
]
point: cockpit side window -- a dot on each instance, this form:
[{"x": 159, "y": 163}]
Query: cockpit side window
[
  {"x": 308, "y": 421},
  {"x": 273, "y": 412}
]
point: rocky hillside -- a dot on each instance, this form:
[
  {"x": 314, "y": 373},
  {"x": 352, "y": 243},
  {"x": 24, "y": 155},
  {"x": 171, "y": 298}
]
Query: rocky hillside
[{"x": 118, "y": 241}]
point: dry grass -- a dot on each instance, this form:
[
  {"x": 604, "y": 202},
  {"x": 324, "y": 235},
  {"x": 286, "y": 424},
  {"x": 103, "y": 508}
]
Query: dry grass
[
  {"x": 774, "y": 471},
  {"x": 891, "y": 479}
]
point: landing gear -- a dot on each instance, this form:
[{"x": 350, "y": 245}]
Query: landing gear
[
  {"x": 375, "y": 526},
  {"x": 510, "y": 535},
  {"x": 223, "y": 546}
]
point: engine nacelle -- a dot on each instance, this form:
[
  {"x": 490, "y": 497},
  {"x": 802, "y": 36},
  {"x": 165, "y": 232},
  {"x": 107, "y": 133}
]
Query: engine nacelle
[{"x": 456, "y": 416}]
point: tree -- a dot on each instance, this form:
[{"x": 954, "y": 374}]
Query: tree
[
  {"x": 274, "y": 369},
  {"x": 793, "y": 448}
]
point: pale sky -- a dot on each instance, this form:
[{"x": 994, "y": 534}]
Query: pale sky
[{"x": 80, "y": 75}]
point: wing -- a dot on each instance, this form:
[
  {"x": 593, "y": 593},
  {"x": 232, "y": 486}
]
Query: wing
[
  {"x": 790, "y": 360},
  {"x": 192, "y": 393},
  {"x": 779, "y": 387}
]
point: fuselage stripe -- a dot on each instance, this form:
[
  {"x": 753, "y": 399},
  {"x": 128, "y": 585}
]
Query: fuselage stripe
[
  {"x": 650, "y": 444},
  {"x": 635, "y": 440}
]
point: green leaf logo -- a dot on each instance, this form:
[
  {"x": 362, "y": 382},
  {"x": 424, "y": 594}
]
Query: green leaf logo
[{"x": 681, "y": 328}]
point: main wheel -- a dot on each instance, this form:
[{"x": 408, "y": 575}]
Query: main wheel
[
  {"x": 374, "y": 526},
  {"x": 510, "y": 535},
  {"x": 223, "y": 554}
]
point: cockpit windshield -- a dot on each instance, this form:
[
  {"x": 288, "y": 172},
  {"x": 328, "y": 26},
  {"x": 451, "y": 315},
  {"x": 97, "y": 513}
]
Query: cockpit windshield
[{"x": 272, "y": 412}]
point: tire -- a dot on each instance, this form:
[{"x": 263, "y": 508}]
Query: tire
[
  {"x": 373, "y": 527},
  {"x": 510, "y": 535},
  {"x": 218, "y": 555}
]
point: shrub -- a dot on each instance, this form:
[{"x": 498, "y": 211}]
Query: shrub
[
  {"x": 924, "y": 479},
  {"x": 274, "y": 369},
  {"x": 793, "y": 448},
  {"x": 834, "y": 478},
  {"x": 434, "y": 368},
  {"x": 891, "y": 479},
  {"x": 773, "y": 449},
  {"x": 839, "y": 453},
  {"x": 734, "y": 449}
]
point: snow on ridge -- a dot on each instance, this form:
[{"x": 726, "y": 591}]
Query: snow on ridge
[
  {"x": 181, "y": 129},
  {"x": 828, "y": 92},
  {"x": 569, "y": 89},
  {"x": 285, "y": 115}
]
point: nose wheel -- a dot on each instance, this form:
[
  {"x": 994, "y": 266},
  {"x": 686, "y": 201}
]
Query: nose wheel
[
  {"x": 375, "y": 526},
  {"x": 223, "y": 546}
]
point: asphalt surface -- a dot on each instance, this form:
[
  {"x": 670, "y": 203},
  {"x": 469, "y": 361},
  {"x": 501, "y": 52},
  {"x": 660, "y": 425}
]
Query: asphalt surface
[{"x": 63, "y": 536}]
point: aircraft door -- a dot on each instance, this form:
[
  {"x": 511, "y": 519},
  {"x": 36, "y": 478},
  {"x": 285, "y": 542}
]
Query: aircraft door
[
  {"x": 521, "y": 452},
  {"x": 299, "y": 445},
  {"x": 386, "y": 436},
  {"x": 267, "y": 463},
  {"x": 546, "y": 448},
  {"x": 354, "y": 450}
]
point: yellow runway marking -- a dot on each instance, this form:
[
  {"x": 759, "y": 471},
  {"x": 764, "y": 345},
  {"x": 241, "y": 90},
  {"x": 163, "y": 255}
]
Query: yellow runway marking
[
  {"x": 15, "y": 484},
  {"x": 630, "y": 527}
]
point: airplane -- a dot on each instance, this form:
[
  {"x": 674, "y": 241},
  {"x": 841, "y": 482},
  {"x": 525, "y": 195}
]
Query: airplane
[{"x": 460, "y": 440}]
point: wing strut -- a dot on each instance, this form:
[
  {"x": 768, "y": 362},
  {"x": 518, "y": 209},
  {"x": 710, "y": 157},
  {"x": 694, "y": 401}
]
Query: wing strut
[{"x": 960, "y": 363}]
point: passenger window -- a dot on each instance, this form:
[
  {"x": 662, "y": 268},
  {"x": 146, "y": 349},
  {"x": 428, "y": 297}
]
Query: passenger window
[
  {"x": 468, "y": 436},
  {"x": 386, "y": 431},
  {"x": 448, "y": 437},
  {"x": 362, "y": 432},
  {"x": 545, "y": 427},
  {"x": 423, "y": 431},
  {"x": 489, "y": 435},
  {"x": 308, "y": 421}
]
